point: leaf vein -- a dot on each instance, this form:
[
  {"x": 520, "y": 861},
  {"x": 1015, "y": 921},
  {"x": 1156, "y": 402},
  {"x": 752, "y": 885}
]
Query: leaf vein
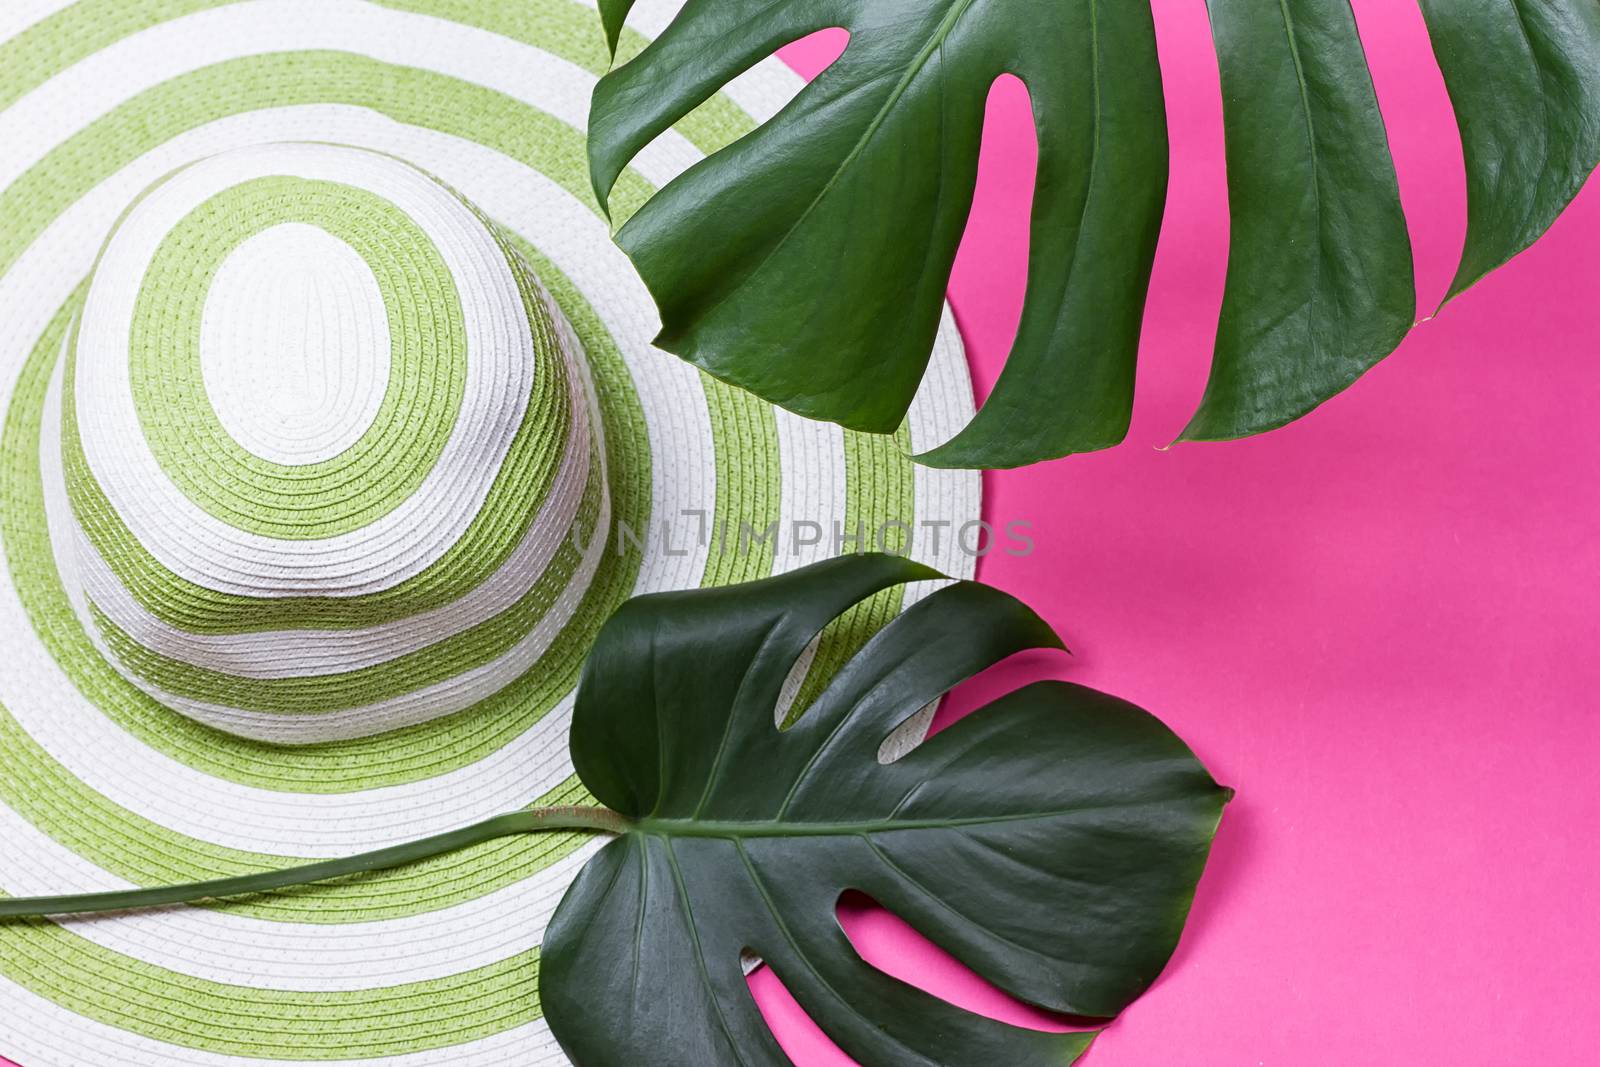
[
  {"x": 699, "y": 949},
  {"x": 937, "y": 42},
  {"x": 800, "y": 955}
]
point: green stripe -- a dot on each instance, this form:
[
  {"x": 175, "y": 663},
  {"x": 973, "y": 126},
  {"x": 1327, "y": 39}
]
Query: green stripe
[
  {"x": 241, "y": 1021},
  {"x": 427, "y": 366},
  {"x": 749, "y": 487}
]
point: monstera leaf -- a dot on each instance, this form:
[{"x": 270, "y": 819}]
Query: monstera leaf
[
  {"x": 1524, "y": 76},
  {"x": 807, "y": 261},
  {"x": 1052, "y": 840}
]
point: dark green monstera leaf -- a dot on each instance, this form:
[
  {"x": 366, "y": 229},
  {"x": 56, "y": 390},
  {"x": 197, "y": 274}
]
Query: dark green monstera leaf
[
  {"x": 1052, "y": 840},
  {"x": 1320, "y": 285},
  {"x": 1524, "y": 76},
  {"x": 807, "y": 261}
]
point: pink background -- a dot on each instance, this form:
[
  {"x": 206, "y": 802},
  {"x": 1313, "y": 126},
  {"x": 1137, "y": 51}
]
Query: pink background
[{"x": 1379, "y": 624}]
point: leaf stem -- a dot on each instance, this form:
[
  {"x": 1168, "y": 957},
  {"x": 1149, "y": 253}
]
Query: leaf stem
[{"x": 531, "y": 820}]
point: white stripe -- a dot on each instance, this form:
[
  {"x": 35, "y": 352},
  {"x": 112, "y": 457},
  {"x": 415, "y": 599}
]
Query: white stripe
[
  {"x": 814, "y": 490},
  {"x": 942, "y": 406},
  {"x": 234, "y": 949}
]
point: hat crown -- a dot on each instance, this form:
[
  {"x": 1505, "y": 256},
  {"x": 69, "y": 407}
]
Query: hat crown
[
  {"x": 327, "y": 445},
  {"x": 298, "y": 360}
]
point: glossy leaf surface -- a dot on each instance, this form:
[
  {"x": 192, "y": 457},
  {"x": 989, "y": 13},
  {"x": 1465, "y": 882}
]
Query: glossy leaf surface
[
  {"x": 1320, "y": 283},
  {"x": 1524, "y": 77},
  {"x": 806, "y": 262},
  {"x": 1052, "y": 840}
]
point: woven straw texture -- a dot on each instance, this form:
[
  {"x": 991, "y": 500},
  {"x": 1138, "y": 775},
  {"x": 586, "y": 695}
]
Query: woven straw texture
[
  {"x": 370, "y": 528},
  {"x": 326, "y": 401}
]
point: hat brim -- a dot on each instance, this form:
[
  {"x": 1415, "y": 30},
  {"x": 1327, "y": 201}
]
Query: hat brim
[{"x": 103, "y": 787}]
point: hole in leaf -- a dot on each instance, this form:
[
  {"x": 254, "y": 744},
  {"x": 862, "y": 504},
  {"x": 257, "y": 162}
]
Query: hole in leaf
[
  {"x": 831, "y": 649},
  {"x": 1010, "y": 674},
  {"x": 990, "y": 277},
  {"x": 893, "y": 946},
  {"x": 815, "y": 53},
  {"x": 801, "y": 1039},
  {"x": 713, "y": 126}
]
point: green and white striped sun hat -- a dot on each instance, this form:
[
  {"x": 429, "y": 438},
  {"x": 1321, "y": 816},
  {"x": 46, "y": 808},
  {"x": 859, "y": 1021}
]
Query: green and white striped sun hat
[{"x": 332, "y": 433}]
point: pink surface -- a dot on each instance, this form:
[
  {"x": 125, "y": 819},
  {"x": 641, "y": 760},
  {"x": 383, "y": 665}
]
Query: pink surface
[{"x": 1379, "y": 624}]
